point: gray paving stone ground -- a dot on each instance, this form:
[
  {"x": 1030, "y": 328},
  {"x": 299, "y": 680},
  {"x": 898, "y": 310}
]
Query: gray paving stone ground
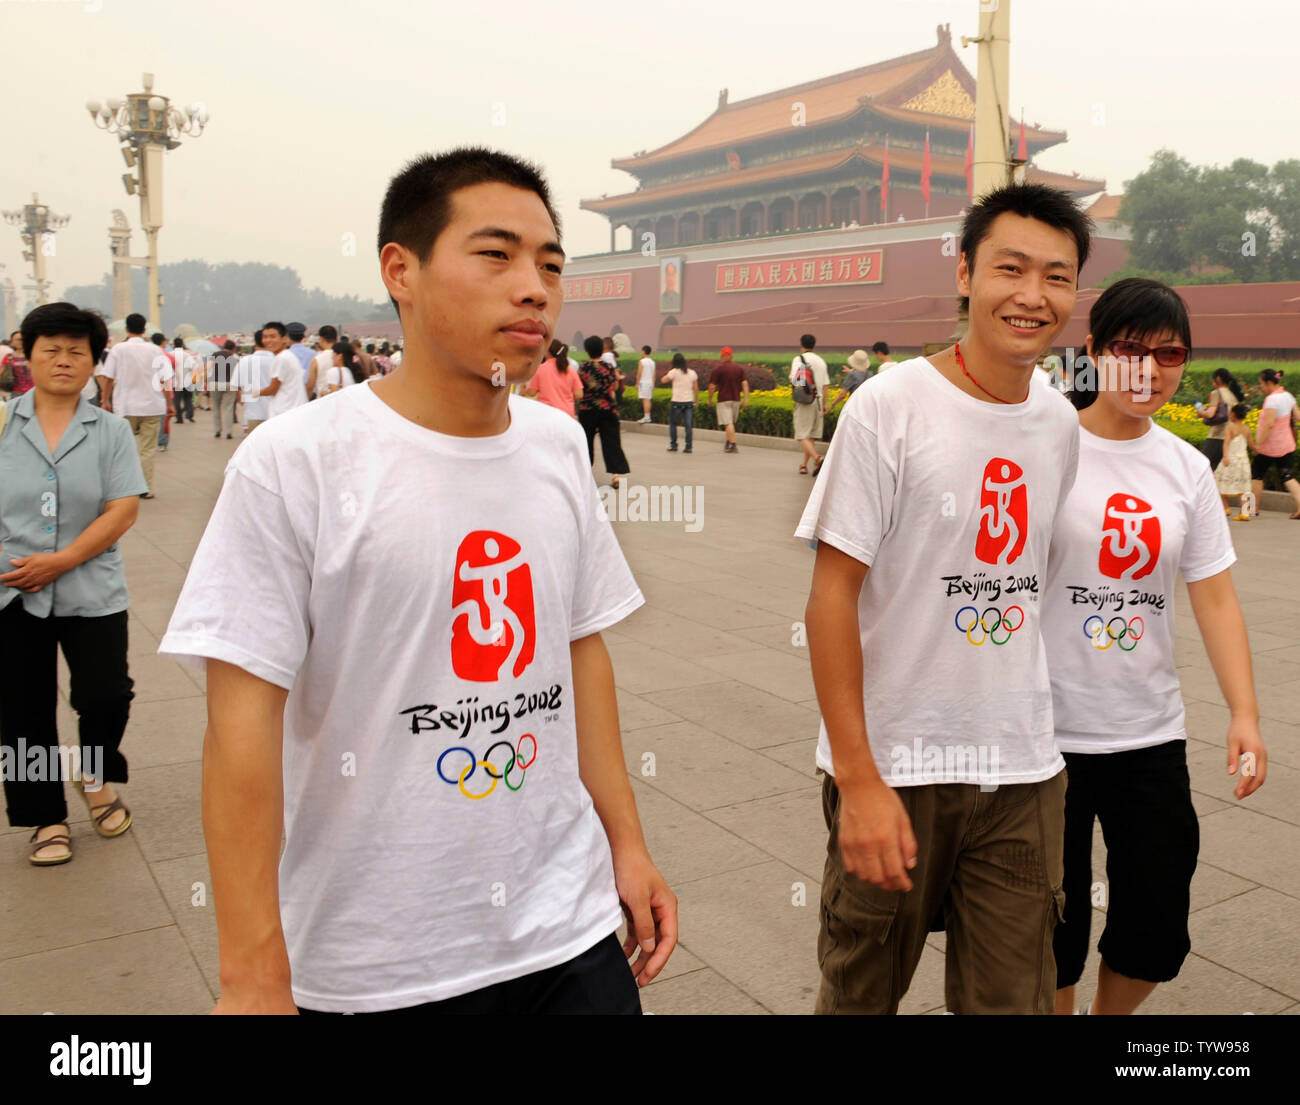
[{"x": 711, "y": 684}]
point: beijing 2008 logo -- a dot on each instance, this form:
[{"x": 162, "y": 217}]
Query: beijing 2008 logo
[
  {"x": 1130, "y": 538},
  {"x": 1114, "y": 632},
  {"x": 992, "y": 625},
  {"x": 515, "y": 762}
]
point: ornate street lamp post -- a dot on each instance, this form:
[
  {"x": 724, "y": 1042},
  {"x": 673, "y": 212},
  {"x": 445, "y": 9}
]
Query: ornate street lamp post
[
  {"x": 35, "y": 222},
  {"x": 148, "y": 125}
]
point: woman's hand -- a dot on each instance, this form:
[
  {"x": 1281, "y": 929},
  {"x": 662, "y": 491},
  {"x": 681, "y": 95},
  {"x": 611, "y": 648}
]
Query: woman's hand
[{"x": 31, "y": 573}]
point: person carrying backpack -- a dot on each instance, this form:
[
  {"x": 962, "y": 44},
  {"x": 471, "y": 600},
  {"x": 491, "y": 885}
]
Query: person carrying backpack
[{"x": 809, "y": 382}]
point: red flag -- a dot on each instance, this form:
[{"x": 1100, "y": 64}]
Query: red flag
[
  {"x": 970, "y": 164},
  {"x": 925, "y": 170},
  {"x": 1021, "y": 155},
  {"x": 884, "y": 185}
]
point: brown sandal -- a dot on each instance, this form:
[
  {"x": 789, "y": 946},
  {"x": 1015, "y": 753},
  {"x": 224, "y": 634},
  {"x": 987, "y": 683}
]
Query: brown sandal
[
  {"x": 58, "y": 838},
  {"x": 100, "y": 814}
]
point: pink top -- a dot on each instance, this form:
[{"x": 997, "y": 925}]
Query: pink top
[
  {"x": 1280, "y": 441},
  {"x": 557, "y": 389}
]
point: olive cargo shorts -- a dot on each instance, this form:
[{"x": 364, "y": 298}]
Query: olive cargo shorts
[{"x": 989, "y": 872}]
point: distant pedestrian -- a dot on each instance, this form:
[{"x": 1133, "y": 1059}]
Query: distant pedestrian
[
  {"x": 645, "y": 381},
  {"x": 254, "y": 373},
  {"x": 342, "y": 373},
  {"x": 810, "y": 383},
  {"x": 729, "y": 391},
  {"x": 1226, "y": 393},
  {"x": 1233, "y": 475},
  {"x": 365, "y": 361},
  {"x": 223, "y": 385},
  {"x": 881, "y": 350},
  {"x": 686, "y": 393},
  {"x": 285, "y": 390},
  {"x": 556, "y": 382},
  {"x": 15, "y": 377},
  {"x": 298, "y": 346},
  {"x": 132, "y": 382},
  {"x": 322, "y": 362},
  {"x": 1275, "y": 437},
  {"x": 857, "y": 373},
  {"x": 598, "y": 410},
  {"x": 184, "y": 387}
]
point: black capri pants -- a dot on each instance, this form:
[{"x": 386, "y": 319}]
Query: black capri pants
[
  {"x": 1143, "y": 799},
  {"x": 100, "y": 690},
  {"x": 606, "y": 424}
]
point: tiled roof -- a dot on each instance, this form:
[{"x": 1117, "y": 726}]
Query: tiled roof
[
  {"x": 905, "y": 160},
  {"x": 882, "y": 88},
  {"x": 1106, "y": 206}
]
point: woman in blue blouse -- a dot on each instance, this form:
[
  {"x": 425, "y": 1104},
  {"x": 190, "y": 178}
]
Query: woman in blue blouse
[{"x": 70, "y": 487}]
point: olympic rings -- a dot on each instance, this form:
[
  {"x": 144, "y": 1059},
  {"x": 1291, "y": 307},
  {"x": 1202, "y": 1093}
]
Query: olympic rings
[
  {"x": 514, "y": 763},
  {"x": 465, "y": 775},
  {"x": 1131, "y": 631},
  {"x": 511, "y": 763},
  {"x": 988, "y": 631}
]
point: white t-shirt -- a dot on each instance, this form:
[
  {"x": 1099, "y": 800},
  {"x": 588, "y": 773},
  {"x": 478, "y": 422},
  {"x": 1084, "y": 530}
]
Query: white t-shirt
[
  {"x": 1141, "y": 512},
  {"x": 821, "y": 374},
  {"x": 288, "y": 370},
  {"x": 396, "y": 357},
  {"x": 254, "y": 373},
  {"x": 417, "y": 594},
  {"x": 955, "y": 686},
  {"x": 683, "y": 381},
  {"x": 139, "y": 370},
  {"x": 646, "y": 373},
  {"x": 336, "y": 378},
  {"x": 324, "y": 362}
]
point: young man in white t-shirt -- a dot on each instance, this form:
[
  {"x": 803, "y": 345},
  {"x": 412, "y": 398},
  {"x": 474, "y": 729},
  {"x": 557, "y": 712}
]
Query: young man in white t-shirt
[
  {"x": 645, "y": 381},
  {"x": 933, "y": 515},
  {"x": 285, "y": 389},
  {"x": 808, "y": 366},
  {"x": 253, "y": 374},
  {"x": 399, "y": 598},
  {"x": 322, "y": 362}
]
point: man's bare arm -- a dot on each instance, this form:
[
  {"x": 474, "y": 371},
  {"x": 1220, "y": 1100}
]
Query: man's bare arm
[
  {"x": 651, "y": 908},
  {"x": 243, "y": 820},
  {"x": 875, "y": 835}
]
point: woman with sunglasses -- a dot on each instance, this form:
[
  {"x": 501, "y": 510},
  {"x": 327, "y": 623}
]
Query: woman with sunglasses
[{"x": 1144, "y": 509}]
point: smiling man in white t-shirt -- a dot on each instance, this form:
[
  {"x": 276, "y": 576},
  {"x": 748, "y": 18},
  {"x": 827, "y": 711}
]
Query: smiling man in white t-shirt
[
  {"x": 933, "y": 515},
  {"x": 399, "y": 598}
]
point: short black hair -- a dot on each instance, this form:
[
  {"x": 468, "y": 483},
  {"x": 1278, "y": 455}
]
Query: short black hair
[
  {"x": 229, "y": 344},
  {"x": 328, "y": 333},
  {"x": 1032, "y": 201},
  {"x": 257, "y": 337},
  {"x": 807, "y": 341},
  {"x": 370, "y": 348},
  {"x": 1241, "y": 410},
  {"x": 179, "y": 342},
  {"x": 646, "y": 350},
  {"x": 1137, "y": 308},
  {"x": 135, "y": 323},
  {"x": 66, "y": 320},
  {"x": 278, "y": 327},
  {"x": 594, "y": 347},
  {"x": 157, "y": 337},
  {"x": 417, "y": 205},
  {"x": 679, "y": 360},
  {"x": 881, "y": 348}
]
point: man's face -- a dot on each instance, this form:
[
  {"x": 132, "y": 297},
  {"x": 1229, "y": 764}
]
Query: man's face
[
  {"x": 1022, "y": 287},
  {"x": 489, "y": 294},
  {"x": 61, "y": 365},
  {"x": 273, "y": 340}
]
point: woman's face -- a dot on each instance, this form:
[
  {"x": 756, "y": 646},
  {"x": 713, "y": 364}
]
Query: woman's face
[
  {"x": 60, "y": 366},
  {"x": 338, "y": 360},
  {"x": 1133, "y": 385},
  {"x": 1265, "y": 386}
]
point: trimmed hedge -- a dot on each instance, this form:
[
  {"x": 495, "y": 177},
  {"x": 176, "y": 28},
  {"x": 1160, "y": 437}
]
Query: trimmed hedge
[{"x": 766, "y": 414}]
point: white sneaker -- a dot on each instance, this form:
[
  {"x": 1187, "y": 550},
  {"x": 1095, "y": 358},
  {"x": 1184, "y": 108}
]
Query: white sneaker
[{"x": 645, "y": 420}]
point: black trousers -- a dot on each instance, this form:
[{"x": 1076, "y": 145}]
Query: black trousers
[
  {"x": 606, "y": 424},
  {"x": 599, "y": 982},
  {"x": 100, "y": 692},
  {"x": 1212, "y": 447},
  {"x": 184, "y": 403}
]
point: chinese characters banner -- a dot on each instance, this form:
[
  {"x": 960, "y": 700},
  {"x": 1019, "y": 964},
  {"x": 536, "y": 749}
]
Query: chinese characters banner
[
  {"x": 860, "y": 267},
  {"x": 615, "y": 285}
]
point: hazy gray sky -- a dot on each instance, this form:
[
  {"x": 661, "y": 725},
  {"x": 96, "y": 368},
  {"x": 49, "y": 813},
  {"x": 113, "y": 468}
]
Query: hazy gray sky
[{"x": 314, "y": 105}]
